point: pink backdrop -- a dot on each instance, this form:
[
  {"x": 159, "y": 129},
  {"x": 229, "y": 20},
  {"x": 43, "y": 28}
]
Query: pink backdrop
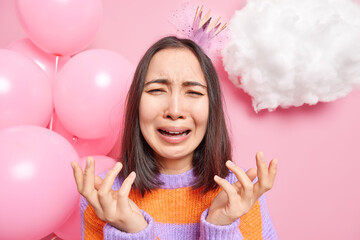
[{"x": 316, "y": 195}]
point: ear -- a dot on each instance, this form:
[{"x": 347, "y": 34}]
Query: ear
[{"x": 98, "y": 182}]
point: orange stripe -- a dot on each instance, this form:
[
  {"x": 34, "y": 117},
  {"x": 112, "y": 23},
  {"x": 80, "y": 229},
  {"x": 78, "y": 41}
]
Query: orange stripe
[
  {"x": 163, "y": 205},
  {"x": 93, "y": 225},
  {"x": 174, "y": 206},
  {"x": 251, "y": 223}
]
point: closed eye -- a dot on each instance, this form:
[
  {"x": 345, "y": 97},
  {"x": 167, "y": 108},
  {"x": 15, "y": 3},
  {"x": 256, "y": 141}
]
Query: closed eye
[
  {"x": 195, "y": 93},
  {"x": 155, "y": 91}
]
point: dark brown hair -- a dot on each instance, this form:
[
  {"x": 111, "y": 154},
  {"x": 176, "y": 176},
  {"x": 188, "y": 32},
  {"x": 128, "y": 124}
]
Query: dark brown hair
[{"x": 214, "y": 150}]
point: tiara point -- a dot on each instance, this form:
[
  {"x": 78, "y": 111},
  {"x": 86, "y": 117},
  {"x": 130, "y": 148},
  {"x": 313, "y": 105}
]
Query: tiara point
[
  {"x": 206, "y": 24},
  {"x": 220, "y": 29},
  {"x": 203, "y": 29}
]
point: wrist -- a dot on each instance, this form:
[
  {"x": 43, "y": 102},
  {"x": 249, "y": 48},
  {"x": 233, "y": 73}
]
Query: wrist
[
  {"x": 136, "y": 226},
  {"x": 219, "y": 219},
  {"x": 132, "y": 226}
]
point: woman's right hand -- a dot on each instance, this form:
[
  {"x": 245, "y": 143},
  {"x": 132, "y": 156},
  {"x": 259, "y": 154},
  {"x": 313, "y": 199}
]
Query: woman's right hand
[{"x": 113, "y": 207}]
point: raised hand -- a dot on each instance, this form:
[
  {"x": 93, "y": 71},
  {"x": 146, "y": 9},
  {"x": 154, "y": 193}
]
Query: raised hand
[
  {"x": 237, "y": 199},
  {"x": 113, "y": 207}
]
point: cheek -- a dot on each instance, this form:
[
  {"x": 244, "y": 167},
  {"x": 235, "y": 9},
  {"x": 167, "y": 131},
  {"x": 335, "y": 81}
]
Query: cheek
[
  {"x": 200, "y": 113},
  {"x": 143, "y": 112},
  {"x": 145, "y": 121},
  {"x": 148, "y": 110}
]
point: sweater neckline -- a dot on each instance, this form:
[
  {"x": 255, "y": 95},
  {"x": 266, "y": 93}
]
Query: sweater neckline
[{"x": 172, "y": 181}]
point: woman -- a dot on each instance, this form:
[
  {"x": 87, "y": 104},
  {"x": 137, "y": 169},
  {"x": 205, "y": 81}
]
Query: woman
[{"x": 174, "y": 157}]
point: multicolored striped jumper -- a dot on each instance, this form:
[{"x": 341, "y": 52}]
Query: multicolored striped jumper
[{"x": 176, "y": 211}]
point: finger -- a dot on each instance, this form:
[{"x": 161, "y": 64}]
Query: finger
[
  {"x": 78, "y": 175},
  {"x": 266, "y": 176},
  {"x": 244, "y": 184},
  {"x": 273, "y": 169},
  {"x": 229, "y": 189},
  {"x": 251, "y": 173},
  {"x": 88, "y": 190},
  {"x": 262, "y": 169},
  {"x": 105, "y": 190},
  {"x": 89, "y": 176},
  {"x": 125, "y": 188},
  {"x": 108, "y": 181},
  {"x": 98, "y": 182}
]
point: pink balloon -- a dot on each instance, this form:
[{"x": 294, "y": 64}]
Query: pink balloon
[
  {"x": 60, "y": 27},
  {"x": 46, "y": 62},
  {"x": 71, "y": 229},
  {"x": 38, "y": 188},
  {"x": 86, "y": 147},
  {"x": 90, "y": 92},
  {"x": 25, "y": 91}
]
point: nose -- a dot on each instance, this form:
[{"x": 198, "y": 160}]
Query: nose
[{"x": 175, "y": 108}]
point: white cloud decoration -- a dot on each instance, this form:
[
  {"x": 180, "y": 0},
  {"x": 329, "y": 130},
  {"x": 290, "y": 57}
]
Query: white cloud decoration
[{"x": 291, "y": 52}]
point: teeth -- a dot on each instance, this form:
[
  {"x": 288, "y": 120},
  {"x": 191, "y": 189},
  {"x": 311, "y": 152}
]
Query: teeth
[{"x": 173, "y": 133}]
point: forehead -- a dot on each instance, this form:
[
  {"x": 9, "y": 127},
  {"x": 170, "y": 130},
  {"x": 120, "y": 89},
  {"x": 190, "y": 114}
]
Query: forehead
[{"x": 175, "y": 64}]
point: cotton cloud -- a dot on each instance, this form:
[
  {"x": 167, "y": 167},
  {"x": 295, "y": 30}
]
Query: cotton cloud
[{"x": 290, "y": 52}]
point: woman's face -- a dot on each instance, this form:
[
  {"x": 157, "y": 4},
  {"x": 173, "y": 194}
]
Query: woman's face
[{"x": 174, "y": 105}]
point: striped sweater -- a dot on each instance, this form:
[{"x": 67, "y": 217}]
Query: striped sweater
[{"x": 176, "y": 211}]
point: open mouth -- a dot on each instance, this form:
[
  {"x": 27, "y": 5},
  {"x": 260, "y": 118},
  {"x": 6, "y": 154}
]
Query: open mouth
[{"x": 174, "y": 134}]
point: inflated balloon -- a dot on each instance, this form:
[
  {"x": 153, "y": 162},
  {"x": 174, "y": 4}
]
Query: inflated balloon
[
  {"x": 38, "y": 189},
  {"x": 47, "y": 62},
  {"x": 60, "y": 27},
  {"x": 86, "y": 147},
  {"x": 71, "y": 229},
  {"x": 90, "y": 92},
  {"x": 25, "y": 91}
]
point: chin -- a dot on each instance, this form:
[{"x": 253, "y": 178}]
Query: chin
[{"x": 174, "y": 155}]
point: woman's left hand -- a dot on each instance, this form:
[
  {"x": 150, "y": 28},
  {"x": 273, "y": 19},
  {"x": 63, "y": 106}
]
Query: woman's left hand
[{"x": 237, "y": 199}]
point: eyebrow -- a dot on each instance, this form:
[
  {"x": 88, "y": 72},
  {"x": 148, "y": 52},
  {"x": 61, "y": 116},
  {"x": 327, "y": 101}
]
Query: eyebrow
[{"x": 186, "y": 83}]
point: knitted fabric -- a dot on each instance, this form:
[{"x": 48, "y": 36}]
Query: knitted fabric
[{"x": 176, "y": 211}]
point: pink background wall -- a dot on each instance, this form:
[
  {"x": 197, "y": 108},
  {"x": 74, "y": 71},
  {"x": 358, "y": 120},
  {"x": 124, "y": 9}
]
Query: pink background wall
[{"x": 317, "y": 193}]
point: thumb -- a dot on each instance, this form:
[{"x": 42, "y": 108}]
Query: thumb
[{"x": 98, "y": 182}]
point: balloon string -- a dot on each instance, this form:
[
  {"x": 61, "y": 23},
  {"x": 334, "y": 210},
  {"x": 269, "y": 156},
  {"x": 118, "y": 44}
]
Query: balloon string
[{"x": 55, "y": 75}]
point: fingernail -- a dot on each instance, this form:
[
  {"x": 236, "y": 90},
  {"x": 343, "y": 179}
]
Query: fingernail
[
  {"x": 261, "y": 155},
  {"x": 231, "y": 163},
  {"x": 73, "y": 165},
  {"x": 216, "y": 177},
  {"x": 276, "y": 162},
  {"x": 117, "y": 166},
  {"x": 88, "y": 161},
  {"x": 132, "y": 174}
]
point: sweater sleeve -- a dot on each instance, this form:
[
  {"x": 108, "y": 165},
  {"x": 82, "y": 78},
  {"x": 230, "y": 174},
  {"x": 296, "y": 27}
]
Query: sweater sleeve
[
  {"x": 112, "y": 233},
  {"x": 268, "y": 230},
  {"x": 210, "y": 231},
  {"x": 256, "y": 224}
]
